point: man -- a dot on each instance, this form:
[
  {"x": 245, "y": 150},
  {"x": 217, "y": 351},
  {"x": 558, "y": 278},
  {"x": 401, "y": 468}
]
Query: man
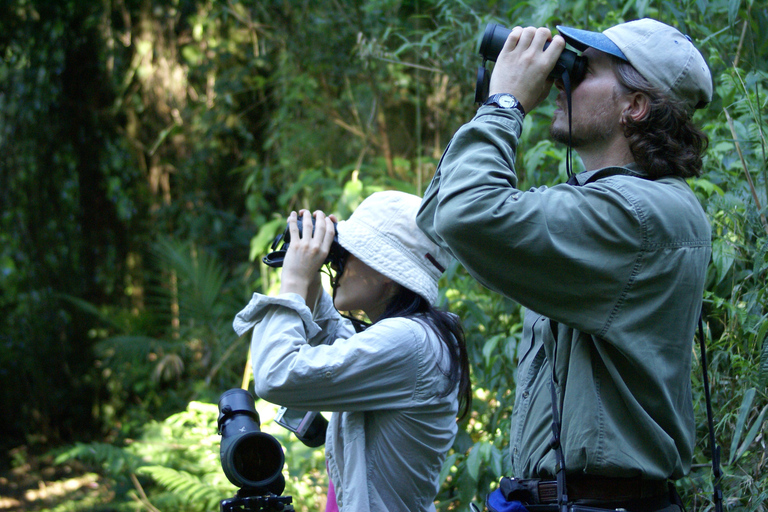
[{"x": 609, "y": 267}]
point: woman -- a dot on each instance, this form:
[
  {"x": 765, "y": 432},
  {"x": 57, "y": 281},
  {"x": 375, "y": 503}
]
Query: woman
[{"x": 395, "y": 387}]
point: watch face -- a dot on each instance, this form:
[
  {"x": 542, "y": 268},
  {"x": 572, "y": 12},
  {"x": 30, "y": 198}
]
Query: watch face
[{"x": 507, "y": 101}]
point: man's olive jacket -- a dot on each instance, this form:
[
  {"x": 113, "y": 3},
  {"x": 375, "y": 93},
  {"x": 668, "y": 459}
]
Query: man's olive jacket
[{"x": 611, "y": 273}]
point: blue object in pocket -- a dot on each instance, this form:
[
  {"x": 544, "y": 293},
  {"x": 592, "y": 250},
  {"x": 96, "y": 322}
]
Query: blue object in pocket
[{"x": 496, "y": 502}]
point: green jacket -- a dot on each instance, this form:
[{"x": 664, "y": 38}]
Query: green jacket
[{"x": 611, "y": 274}]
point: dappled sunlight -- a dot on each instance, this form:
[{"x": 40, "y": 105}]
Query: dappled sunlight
[
  {"x": 48, "y": 491},
  {"x": 23, "y": 489}
]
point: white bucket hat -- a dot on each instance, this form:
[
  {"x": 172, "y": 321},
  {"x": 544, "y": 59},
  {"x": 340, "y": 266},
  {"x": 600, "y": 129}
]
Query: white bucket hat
[
  {"x": 662, "y": 54},
  {"x": 382, "y": 233}
]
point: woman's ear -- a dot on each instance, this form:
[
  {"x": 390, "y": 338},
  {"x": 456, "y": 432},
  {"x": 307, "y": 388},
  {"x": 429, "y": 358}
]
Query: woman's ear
[{"x": 393, "y": 288}]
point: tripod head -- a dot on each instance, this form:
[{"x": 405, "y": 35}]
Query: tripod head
[{"x": 244, "y": 502}]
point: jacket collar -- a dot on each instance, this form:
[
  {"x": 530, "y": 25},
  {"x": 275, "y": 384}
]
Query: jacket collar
[{"x": 591, "y": 176}]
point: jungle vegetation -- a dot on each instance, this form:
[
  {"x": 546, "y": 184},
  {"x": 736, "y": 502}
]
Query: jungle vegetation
[{"x": 150, "y": 150}]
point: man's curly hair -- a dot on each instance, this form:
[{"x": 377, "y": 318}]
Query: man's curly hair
[{"x": 665, "y": 142}]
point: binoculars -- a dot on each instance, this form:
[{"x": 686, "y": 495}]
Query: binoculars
[
  {"x": 493, "y": 41},
  {"x": 274, "y": 259}
]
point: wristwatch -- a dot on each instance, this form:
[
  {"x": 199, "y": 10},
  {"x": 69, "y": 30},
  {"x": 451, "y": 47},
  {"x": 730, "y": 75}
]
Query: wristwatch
[{"x": 505, "y": 100}]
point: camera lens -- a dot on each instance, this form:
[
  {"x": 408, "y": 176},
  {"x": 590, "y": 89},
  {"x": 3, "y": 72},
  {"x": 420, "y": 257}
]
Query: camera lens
[
  {"x": 250, "y": 458},
  {"x": 255, "y": 458}
]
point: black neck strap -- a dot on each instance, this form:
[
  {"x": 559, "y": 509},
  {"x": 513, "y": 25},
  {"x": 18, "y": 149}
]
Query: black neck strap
[
  {"x": 358, "y": 324},
  {"x": 566, "y": 77},
  {"x": 555, "y": 444},
  {"x": 717, "y": 494},
  {"x": 562, "y": 491}
]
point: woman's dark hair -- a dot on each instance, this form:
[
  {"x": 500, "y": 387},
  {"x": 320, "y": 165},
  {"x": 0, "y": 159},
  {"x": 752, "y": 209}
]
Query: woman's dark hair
[
  {"x": 665, "y": 142},
  {"x": 408, "y": 303}
]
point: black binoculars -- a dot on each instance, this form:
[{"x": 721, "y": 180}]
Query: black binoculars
[
  {"x": 336, "y": 255},
  {"x": 493, "y": 41}
]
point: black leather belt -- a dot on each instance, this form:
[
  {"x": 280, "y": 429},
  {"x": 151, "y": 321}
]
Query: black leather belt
[{"x": 603, "y": 489}]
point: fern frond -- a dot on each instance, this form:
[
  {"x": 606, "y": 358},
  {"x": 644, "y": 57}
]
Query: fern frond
[
  {"x": 201, "y": 278},
  {"x": 130, "y": 348},
  {"x": 189, "y": 488},
  {"x": 113, "y": 459}
]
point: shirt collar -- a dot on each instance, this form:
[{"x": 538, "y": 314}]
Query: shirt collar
[{"x": 590, "y": 176}]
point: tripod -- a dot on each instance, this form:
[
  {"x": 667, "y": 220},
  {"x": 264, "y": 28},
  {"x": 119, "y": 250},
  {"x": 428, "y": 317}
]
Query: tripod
[{"x": 252, "y": 501}]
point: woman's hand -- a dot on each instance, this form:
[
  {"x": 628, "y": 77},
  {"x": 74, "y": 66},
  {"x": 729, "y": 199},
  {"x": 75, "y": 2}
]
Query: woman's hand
[{"x": 306, "y": 255}]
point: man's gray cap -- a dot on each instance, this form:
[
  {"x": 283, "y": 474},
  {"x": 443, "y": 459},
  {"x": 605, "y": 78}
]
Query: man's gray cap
[{"x": 662, "y": 54}]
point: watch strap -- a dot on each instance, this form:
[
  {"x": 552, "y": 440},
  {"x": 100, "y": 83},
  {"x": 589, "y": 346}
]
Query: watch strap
[{"x": 499, "y": 101}]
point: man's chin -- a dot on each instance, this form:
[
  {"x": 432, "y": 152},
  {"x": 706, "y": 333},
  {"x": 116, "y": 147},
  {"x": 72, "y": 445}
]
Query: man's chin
[{"x": 558, "y": 134}]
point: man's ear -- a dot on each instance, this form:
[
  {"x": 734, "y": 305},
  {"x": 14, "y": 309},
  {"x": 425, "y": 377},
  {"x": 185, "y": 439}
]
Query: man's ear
[{"x": 638, "y": 107}]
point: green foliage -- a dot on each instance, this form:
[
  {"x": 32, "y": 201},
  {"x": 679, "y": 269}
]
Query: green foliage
[
  {"x": 175, "y": 465},
  {"x": 152, "y": 150},
  {"x": 185, "y": 491},
  {"x": 183, "y": 336},
  {"x": 177, "y": 460},
  {"x": 493, "y": 328}
]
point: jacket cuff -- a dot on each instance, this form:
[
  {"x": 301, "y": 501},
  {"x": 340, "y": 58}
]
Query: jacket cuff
[
  {"x": 254, "y": 312},
  {"x": 509, "y": 117}
]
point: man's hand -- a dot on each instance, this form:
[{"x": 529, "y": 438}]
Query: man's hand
[
  {"x": 306, "y": 255},
  {"x": 523, "y": 65}
]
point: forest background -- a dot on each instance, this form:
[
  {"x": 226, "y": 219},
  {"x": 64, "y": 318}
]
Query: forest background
[{"x": 149, "y": 152}]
